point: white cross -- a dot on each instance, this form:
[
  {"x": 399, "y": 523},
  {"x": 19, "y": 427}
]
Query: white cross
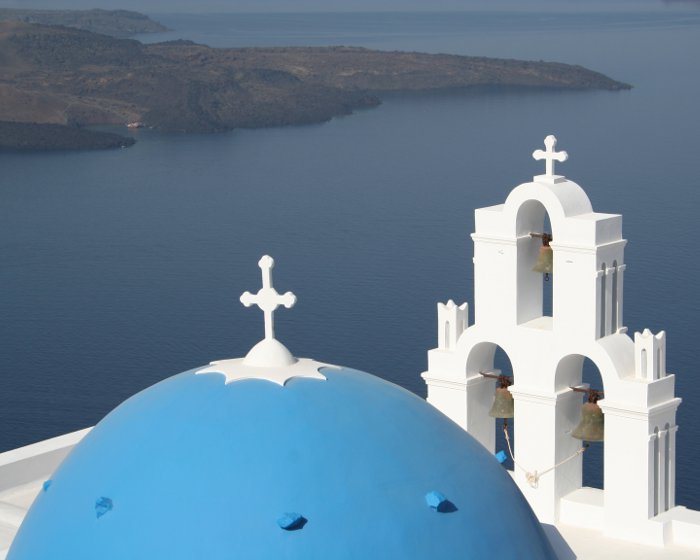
[
  {"x": 549, "y": 155},
  {"x": 267, "y": 297}
]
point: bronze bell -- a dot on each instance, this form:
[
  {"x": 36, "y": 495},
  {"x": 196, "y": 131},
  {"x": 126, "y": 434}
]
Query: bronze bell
[
  {"x": 502, "y": 404},
  {"x": 545, "y": 262},
  {"x": 591, "y": 427}
]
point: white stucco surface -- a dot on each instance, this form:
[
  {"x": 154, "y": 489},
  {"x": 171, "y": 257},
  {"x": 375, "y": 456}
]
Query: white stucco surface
[{"x": 587, "y": 544}]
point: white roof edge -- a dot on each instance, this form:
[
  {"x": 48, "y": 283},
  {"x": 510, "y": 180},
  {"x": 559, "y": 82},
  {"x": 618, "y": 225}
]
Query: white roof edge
[{"x": 42, "y": 447}]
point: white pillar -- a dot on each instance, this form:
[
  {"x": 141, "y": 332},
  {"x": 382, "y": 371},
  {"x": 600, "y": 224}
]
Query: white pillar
[
  {"x": 535, "y": 436},
  {"x": 661, "y": 471},
  {"x": 652, "y": 485},
  {"x": 569, "y": 476},
  {"x": 628, "y": 467},
  {"x": 480, "y": 394},
  {"x": 464, "y": 401},
  {"x": 599, "y": 303},
  {"x": 671, "y": 466},
  {"x": 608, "y": 279},
  {"x": 620, "y": 291}
]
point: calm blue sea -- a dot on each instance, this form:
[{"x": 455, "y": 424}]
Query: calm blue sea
[{"x": 121, "y": 268}]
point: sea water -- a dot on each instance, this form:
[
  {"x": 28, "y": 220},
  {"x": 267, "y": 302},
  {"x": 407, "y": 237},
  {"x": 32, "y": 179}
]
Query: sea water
[{"x": 123, "y": 267}]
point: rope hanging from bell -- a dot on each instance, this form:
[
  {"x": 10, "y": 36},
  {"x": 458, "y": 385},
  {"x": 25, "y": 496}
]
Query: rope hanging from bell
[
  {"x": 533, "y": 477},
  {"x": 503, "y": 407}
]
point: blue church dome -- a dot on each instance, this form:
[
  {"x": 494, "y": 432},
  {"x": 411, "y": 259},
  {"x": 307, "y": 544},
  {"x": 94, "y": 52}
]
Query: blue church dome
[
  {"x": 274, "y": 457},
  {"x": 346, "y": 467}
]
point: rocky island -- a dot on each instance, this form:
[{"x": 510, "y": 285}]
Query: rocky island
[{"x": 77, "y": 78}]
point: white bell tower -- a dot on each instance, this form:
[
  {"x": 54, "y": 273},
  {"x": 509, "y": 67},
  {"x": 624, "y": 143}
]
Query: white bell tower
[{"x": 547, "y": 355}]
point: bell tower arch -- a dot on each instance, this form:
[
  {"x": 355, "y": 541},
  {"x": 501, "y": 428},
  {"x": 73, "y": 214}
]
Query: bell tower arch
[{"x": 547, "y": 352}]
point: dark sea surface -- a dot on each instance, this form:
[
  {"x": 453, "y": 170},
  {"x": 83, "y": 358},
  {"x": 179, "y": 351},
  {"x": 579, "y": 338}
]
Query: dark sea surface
[{"x": 123, "y": 267}]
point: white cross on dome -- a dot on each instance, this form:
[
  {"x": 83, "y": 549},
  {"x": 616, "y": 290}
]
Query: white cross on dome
[
  {"x": 267, "y": 298},
  {"x": 269, "y": 359}
]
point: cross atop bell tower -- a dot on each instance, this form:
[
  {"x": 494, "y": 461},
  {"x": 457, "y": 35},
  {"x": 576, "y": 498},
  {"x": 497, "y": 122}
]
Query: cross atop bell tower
[{"x": 550, "y": 156}]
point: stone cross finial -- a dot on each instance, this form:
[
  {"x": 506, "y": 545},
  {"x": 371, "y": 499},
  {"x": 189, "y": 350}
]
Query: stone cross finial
[
  {"x": 549, "y": 155},
  {"x": 267, "y": 297}
]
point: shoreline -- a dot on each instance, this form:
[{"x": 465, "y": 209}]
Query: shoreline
[
  {"x": 29, "y": 137},
  {"x": 56, "y": 75}
]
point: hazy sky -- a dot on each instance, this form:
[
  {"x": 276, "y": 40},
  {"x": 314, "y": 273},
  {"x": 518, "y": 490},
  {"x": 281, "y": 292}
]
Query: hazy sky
[{"x": 154, "y": 6}]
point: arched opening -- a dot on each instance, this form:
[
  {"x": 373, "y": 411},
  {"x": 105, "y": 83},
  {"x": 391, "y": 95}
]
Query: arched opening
[
  {"x": 547, "y": 282},
  {"x": 578, "y": 371},
  {"x": 502, "y": 362},
  {"x": 535, "y": 289},
  {"x": 487, "y": 357},
  {"x": 593, "y": 458}
]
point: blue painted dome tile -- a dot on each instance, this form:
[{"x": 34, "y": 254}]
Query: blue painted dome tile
[
  {"x": 291, "y": 521},
  {"x": 103, "y": 505},
  {"x": 501, "y": 457}
]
